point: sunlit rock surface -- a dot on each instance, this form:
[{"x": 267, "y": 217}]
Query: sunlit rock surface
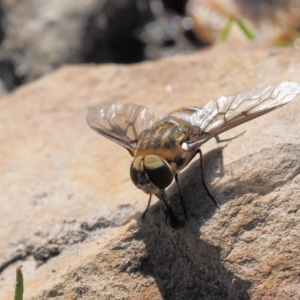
[{"x": 71, "y": 216}]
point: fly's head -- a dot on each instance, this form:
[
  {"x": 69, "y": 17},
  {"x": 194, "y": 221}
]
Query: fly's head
[{"x": 151, "y": 173}]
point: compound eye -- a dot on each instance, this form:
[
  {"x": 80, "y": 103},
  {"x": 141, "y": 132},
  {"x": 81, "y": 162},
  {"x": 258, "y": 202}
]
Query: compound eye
[
  {"x": 135, "y": 170},
  {"x": 159, "y": 171}
]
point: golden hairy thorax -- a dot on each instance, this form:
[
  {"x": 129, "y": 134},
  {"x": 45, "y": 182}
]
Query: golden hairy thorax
[{"x": 165, "y": 138}]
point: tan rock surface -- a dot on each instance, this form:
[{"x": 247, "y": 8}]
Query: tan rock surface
[{"x": 67, "y": 202}]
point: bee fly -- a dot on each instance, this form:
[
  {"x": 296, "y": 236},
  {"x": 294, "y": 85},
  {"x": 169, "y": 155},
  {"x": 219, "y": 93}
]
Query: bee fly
[{"x": 162, "y": 148}]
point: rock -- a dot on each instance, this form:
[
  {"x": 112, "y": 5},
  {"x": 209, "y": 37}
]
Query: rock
[
  {"x": 68, "y": 205},
  {"x": 167, "y": 33},
  {"x": 40, "y": 36},
  {"x": 1, "y": 22},
  {"x": 275, "y": 22},
  {"x": 112, "y": 32},
  {"x": 9, "y": 80},
  {"x": 3, "y": 90},
  {"x": 55, "y": 33}
]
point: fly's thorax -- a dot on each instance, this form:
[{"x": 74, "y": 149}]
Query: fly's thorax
[
  {"x": 163, "y": 139},
  {"x": 151, "y": 173}
]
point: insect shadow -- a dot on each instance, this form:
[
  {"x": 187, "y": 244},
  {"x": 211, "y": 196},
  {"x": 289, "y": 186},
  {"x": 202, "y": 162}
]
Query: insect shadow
[
  {"x": 185, "y": 266},
  {"x": 191, "y": 184}
]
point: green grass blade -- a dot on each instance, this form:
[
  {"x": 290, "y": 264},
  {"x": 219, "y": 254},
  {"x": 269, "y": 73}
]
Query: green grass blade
[
  {"x": 248, "y": 33},
  {"x": 225, "y": 32},
  {"x": 19, "y": 284}
]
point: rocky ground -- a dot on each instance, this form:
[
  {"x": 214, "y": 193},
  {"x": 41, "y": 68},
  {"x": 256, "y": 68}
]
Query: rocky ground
[{"x": 71, "y": 216}]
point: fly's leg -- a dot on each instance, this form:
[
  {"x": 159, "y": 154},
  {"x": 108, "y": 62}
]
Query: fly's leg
[
  {"x": 179, "y": 192},
  {"x": 166, "y": 217},
  {"x": 170, "y": 213},
  {"x": 149, "y": 202},
  {"x": 227, "y": 140},
  {"x": 203, "y": 181},
  {"x": 173, "y": 220}
]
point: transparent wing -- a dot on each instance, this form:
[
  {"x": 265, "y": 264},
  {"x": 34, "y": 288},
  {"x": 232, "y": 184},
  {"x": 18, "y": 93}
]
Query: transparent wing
[
  {"x": 227, "y": 112},
  {"x": 121, "y": 123}
]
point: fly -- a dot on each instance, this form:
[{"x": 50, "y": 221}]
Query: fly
[{"x": 162, "y": 148}]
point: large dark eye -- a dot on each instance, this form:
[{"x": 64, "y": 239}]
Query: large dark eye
[
  {"x": 135, "y": 169},
  {"x": 158, "y": 171}
]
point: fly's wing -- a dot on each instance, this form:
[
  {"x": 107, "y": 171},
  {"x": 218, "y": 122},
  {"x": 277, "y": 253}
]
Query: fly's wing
[
  {"x": 121, "y": 123},
  {"x": 227, "y": 112}
]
